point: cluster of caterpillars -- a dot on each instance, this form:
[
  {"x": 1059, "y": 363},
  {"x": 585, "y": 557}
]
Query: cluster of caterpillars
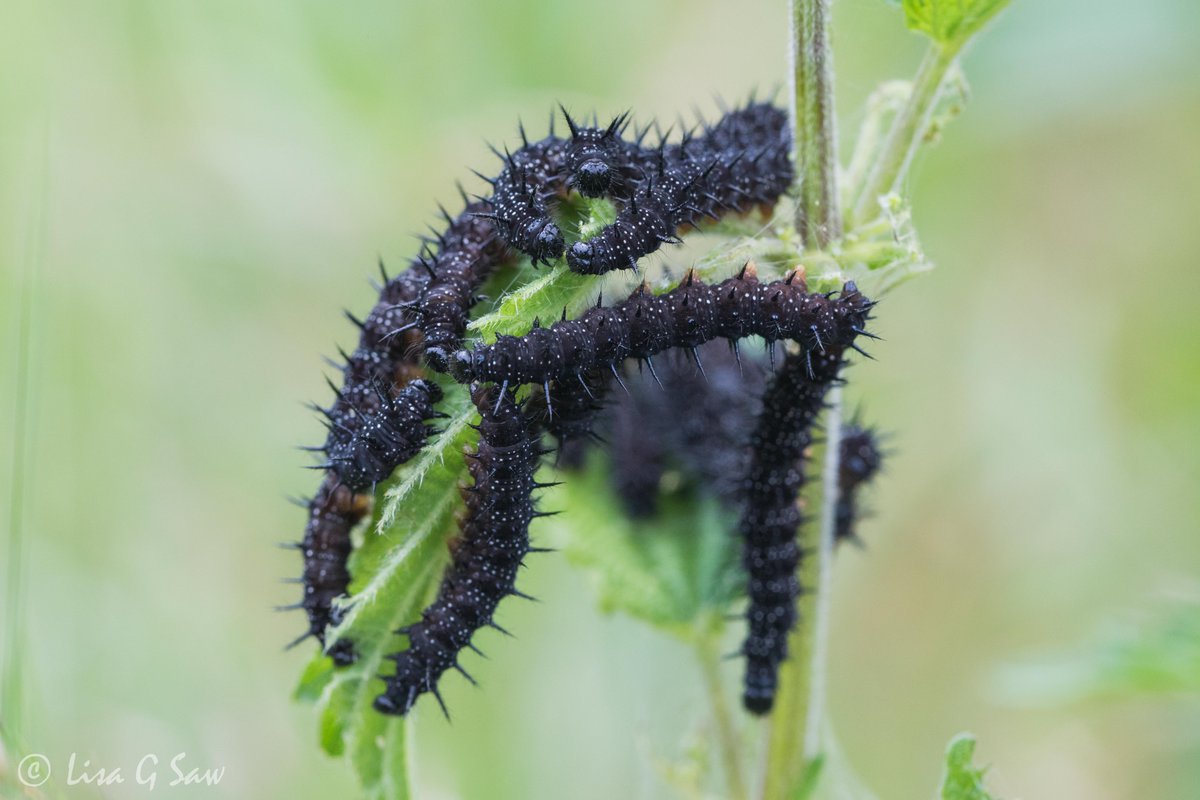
[{"x": 387, "y": 400}]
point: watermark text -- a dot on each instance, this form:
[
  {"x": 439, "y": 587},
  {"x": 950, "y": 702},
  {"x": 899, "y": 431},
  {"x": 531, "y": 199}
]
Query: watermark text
[{"x": 150, "y": 770}]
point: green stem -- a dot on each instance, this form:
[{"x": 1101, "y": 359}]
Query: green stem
[
  {"x": 728, "y": 741},
  {"x": 882, "y": 106},
  {"x": 795, "y": 726},
  {"x": 823, "y": 596},
  {"x": 818, "y": 216},
  {"x": 908, "y": 128},
  {"x": 794, "y": 734}
]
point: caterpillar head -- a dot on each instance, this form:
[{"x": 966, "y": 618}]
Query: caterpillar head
[
  {"x": 592, "y": 154},
  {"x": 462, "y": 366},
  {"x": 582, "y": 257},
  {"x": 547, "y": 240},
  {"x": 592, "y": 178},
  {"x": 437, "y": 358}
]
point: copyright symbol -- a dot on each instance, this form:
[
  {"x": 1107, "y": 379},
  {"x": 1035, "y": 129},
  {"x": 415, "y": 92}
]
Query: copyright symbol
[{"x": 34, "y": 770}]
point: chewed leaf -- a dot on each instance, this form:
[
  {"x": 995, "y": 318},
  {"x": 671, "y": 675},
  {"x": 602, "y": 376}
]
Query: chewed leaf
[
  {"x": 950, "y": 21},
  {"x": 961, "y": 779}
]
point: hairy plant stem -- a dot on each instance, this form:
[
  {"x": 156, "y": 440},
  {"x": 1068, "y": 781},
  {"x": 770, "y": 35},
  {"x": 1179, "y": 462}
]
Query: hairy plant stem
[
  {"x": 728, "y": 741},
  {"x": 907, "y": 131},
  {"x": 818, "y": 216},
  {"x": 795, "y": 735}
]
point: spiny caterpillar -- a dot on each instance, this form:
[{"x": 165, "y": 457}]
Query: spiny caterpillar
[
  {"x": 739, "y": 163},
  {"x": 697, "y": 422},
  {"x": 332, "y": 513},
  {"x": 859, "y": 460},
  {"x": 468, "y": 251},
  {"x": 568, "y": 408},
  {"x": 732, "y": 166},
  {"x": 335, "y": 509},
  {"x": 387, "y": 438},
  {"x": 493, "y": 542},
  {"x": 644, "y": 325},
  {"x": 595, "y": 161},
  {"x": 771, "y": 515},
  {"x": 373, "y": 427}
]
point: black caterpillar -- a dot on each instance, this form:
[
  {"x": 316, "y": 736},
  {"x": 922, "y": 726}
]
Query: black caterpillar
[
  {"x": 335, "y": 509},
  {"x": 859, "y": 461},
  {"x": 770, "y": 512},
  {"x": 468, "y": 251},
  {"x": 595, "y": 161},
  {"x": 567, "y": 410},
  {"x": 371, "y": 428},
  {"x": 739, "y": 163},
  {"x": 644, "y": 325},
  {"x": 387, "y": 438},
  {"x": 494, "y": 540},
  {"x": 332, "y": 513},
  {"x": 697, "y": 422}
]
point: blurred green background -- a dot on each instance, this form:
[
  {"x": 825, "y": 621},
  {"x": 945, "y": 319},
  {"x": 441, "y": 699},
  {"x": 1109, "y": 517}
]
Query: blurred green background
[{"x": 195, "y": 189}]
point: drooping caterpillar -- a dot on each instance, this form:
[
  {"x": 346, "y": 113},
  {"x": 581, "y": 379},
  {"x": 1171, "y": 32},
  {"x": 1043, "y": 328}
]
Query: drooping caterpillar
[
  {"x": 485, "y": 557},
  {"x": 771, "y": 515},
  {"x": 332, "y": 513},
  {"x": 374, "y": 423}
]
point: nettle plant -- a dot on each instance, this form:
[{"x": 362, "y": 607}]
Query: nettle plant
[{"x": 492, "y": 369}]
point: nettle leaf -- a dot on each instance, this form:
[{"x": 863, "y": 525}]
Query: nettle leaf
[
  {"x": 670, "y": 571},
  {"x": 949, "y": 22},
  {"x": 961, "y": 780}
]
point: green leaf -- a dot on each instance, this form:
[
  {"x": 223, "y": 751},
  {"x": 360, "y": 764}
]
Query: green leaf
[
  {"x": 962, "y": 781},
  {"x": 316, "y": 676},
  {"x": 668, "y": 571},
  {"x": 950, "y": 22}
]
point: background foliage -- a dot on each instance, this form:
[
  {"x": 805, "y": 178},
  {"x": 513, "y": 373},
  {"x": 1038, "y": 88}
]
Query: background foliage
[{"x": 197, "y": 188}]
